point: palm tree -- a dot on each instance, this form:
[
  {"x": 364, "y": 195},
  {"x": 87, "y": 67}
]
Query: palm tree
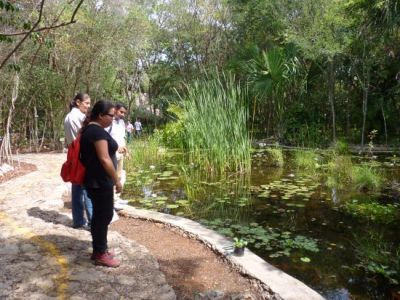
[{"x": 269, "y": 76}]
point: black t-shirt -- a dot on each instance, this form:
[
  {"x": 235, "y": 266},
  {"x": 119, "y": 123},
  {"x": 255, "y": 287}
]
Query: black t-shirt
[{"x": 96, "y": 176}]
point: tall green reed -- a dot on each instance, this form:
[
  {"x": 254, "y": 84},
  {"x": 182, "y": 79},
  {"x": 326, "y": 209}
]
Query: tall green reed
[{"x": 216, "y": 133}]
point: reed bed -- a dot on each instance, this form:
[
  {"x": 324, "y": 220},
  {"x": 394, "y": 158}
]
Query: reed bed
[{"x": 216, "y": 133}]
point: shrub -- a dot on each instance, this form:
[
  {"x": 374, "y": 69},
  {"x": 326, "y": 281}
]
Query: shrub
[
  {"x": 378, "y": 257},
  {"x": 172, "y": 135},
  {"x": 372, "y": 210},
  {"x": 341, "y": 147}
]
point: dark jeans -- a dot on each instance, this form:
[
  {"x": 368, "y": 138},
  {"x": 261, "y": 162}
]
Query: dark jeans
[{"x": 103, "y": 209}]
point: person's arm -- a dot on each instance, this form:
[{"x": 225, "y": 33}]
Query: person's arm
[
  {"x": 76, "y": 125},
  {"x": 105, "y": 160},
  {"x": 71, "y": 128}
]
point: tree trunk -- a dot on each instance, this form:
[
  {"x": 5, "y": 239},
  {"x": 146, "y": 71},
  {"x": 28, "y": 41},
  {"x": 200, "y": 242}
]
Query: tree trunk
[
  {"x": 5, "y": 149},
  {"x": 364, "y": 106},
  {"x": 331, "y": 96},
  {"x": 35, "y": 130},
  {"x": 384, "y": 123},
  {"x": 43, "y": 136}
]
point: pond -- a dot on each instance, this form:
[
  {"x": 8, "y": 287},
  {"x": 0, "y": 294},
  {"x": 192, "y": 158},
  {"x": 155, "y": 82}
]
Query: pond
[{"x": 339, "y": 241}]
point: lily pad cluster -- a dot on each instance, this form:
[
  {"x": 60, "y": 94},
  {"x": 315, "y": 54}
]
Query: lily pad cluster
[
  {"x": 288, "y": 189},
  {"x": 147, "y": 177},
  {"x": 268, "y": 239},
  {"x": 161, "y": 202}
]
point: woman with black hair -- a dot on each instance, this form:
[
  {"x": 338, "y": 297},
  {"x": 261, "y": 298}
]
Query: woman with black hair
[{"x": 98, "y": 156}]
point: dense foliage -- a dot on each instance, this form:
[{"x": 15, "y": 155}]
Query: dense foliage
[{"x": 315, "y": 70}]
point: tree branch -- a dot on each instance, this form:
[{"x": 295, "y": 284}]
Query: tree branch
[
  {"x": 33, "y": 29},
  {"x": 26, "y": 35},
  {"x": 39, "y": 29},
  {"x": 76, "y": 11}
]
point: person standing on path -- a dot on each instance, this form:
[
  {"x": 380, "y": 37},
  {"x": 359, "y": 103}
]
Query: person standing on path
[
  {"x": 138, "y": 127},
  {"x": 72, "y": 124},
  {"x": 98, "y": 151},
  {"x": 117, "y": 132},
  {"x": 129, "y": 131}
]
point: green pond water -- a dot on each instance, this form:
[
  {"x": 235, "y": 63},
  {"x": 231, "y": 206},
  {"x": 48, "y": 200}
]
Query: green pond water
[{"x": 318, "y": 234}]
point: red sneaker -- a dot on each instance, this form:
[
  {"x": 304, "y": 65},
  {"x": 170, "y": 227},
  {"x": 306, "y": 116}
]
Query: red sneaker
[
  {"x": 105, "y": 259},
  {"x": 111, "y": 253}
]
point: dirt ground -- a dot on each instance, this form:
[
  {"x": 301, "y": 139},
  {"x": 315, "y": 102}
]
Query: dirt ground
[
  {"x": 189, "y": 266},
  {"x": 19, "y": 170}
]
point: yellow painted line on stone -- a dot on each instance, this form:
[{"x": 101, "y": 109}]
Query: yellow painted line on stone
[{"x": 49, "y": 247}]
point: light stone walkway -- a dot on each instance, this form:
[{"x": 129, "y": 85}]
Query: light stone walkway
[{"x": 42, "y": 257}]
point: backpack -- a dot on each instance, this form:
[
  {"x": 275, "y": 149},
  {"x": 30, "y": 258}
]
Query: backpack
[{"x": 73, "y": 170}]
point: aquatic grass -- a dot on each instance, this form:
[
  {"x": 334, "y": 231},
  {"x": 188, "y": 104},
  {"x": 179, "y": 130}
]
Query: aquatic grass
[
  {"x": 143, "y": 153},
  {"x": 339, "y": 169},
  {"x": 342, "y": 172},
  {"x": 276, "y": 156},
  {"x": 307, "y": 160},
  {"x": 366, "y": 177},
  {"x": 216, "y": 134},
  {"x": 341, "y": 147}
]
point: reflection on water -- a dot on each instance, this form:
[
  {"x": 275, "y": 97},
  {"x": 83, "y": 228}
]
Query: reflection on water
[
  {"x": 335, "y": 198},
  {"x": 337, "y": 294},
  {"x": 283, "y": 212}
]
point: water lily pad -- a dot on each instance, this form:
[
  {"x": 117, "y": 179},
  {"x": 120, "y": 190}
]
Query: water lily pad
[
  {"x": 171, "y": 206},
  {"x": 183, "y": 202},
  {"x": 166, "y": 174},
  {"x": 167, "y": 178},
  {"x": 264, "y": 194}
]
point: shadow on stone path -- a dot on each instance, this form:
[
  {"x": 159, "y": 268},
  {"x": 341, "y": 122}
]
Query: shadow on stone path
[
  {"x": 49, "y": 216},
  {"x": 42, "y": 257}
]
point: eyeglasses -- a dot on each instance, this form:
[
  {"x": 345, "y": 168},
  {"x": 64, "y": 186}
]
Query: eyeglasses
[{"x": 110, "y": 115}]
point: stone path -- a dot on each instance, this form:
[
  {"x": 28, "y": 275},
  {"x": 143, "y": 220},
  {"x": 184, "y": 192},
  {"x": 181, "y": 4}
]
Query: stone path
[{"x": 42, "y": 257}]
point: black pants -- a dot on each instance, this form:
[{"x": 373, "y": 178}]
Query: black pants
[{"x": 103, "y": 209}]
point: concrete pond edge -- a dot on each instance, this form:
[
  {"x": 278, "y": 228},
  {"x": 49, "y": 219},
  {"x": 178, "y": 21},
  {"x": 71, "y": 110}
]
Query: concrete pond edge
[{"x": 272, "y": 279}]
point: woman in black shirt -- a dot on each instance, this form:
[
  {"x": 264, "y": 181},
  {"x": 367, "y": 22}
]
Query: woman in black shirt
[{"x": 98, "y": 156}]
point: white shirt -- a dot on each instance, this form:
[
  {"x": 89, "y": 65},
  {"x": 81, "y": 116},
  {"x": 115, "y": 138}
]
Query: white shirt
[
  {"x": 117, "y": 132},
  {"x": 138, "y": 125},
  {"x": 129, "y": 128},
  {"x": 72, "y": 123}
]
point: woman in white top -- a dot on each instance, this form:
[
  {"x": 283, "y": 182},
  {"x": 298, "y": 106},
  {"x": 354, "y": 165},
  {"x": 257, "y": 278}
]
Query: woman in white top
[{"x": 72, "y": 124}]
